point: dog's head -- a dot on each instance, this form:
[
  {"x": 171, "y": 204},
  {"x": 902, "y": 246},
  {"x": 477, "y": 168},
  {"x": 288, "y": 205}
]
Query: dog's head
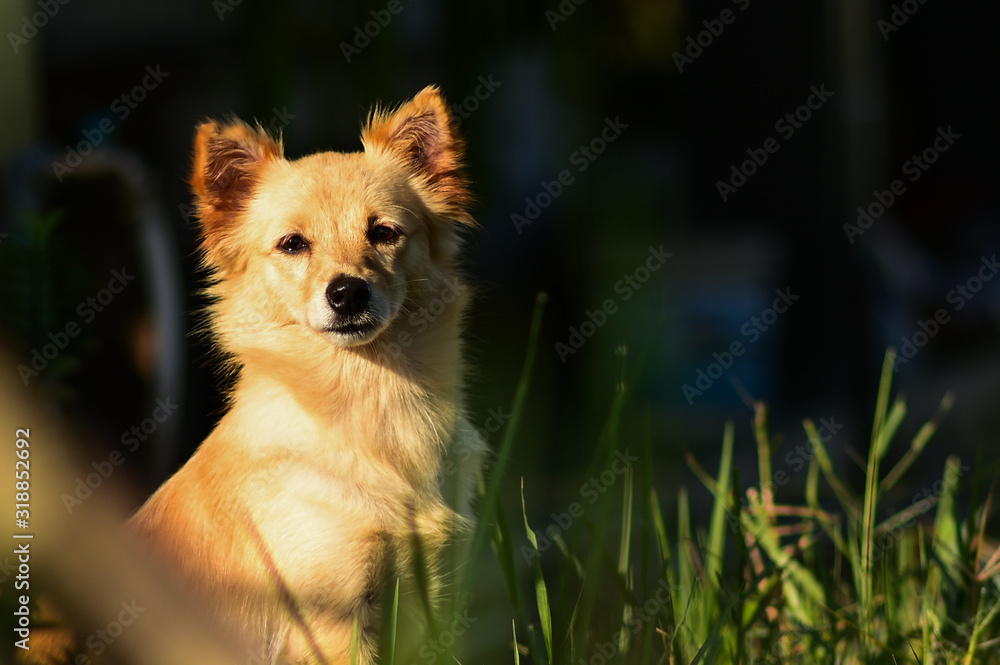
[{"x": 335, "y": 243}]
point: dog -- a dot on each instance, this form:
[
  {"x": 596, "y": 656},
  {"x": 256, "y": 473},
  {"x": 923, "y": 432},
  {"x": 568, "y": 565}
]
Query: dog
[
  {"x": 345, "y": 462},
  {"x": 324, "y": 483}
]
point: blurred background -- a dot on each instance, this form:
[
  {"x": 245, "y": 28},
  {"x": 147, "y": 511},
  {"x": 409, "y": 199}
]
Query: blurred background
[{"x": 822, "y": 175}]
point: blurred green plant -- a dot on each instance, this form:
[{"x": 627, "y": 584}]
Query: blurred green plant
[
  {"x": 763, "y": 581},
  {"x": 40, "y": 281},
  {"x": 26, "y": 275}
]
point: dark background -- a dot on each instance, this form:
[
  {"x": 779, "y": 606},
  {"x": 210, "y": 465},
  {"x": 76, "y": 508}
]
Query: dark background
[{"x": 555, "y": 83}]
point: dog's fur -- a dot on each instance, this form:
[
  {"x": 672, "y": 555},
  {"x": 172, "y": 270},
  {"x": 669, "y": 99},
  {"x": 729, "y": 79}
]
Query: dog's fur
[{"x": 336, "y": 298}]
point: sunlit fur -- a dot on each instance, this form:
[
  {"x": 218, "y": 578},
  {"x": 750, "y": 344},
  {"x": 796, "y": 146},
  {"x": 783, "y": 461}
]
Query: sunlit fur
[{"x": 301, "y": 505}]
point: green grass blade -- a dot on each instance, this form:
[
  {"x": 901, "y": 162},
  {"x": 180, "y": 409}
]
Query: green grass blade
[
  {"x": 603, "y": 524},
  {"x": 569, "y": 556},
  {"x": 660, "y": 528},
  {"x": 897, "y": 522},
  {"x": 713, "y": 640},
  {"x": 624, "y": 541},
  {"x": 687, "y": 577},
  {"x": 981, "y": 624},
  {"x": 844, "y": 495},
  {"x": 609, "y": 433},
  {"x": 517, "y": 651},
  {"x": 389, "y": 639},
  {"x": 890, "y": 427},
  {"x": 917, "y": 445},
  {"x": 742, "y": 565},
  {"x": 572, "y": 628},
  {"x": 645, "y": 483},
  {"x": 882, "y": 401},
  {"x": 541, "y": 592},
  {"x": 947, "y": 547},
  {"x": 804, "y": 580},
  {"x": 624, "y": 554},
  {"x": 866, "y": 605},
  {"x": 812, "y": 483},
  {"x": 354, "y": 641},
  {"x": 832, "y": 529},
  {"x": 763, "y": 458},
  {"x": 720, "y": 511},
  {"x": 488, "y": 507},
  {"x": 669, "y": 573},
  {"x": 504, "y": 546}
]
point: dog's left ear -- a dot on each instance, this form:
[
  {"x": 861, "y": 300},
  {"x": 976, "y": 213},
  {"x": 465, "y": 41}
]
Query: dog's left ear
[{"x": 421, "y": 135}]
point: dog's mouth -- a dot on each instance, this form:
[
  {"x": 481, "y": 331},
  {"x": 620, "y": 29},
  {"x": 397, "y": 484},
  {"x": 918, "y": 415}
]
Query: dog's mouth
[
  {"x": 354, "y": 329},
  {"x": 355, "y": 332}
]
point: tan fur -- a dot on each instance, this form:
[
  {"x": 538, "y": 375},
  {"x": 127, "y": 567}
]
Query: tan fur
[{"x": 301, "y": 506}]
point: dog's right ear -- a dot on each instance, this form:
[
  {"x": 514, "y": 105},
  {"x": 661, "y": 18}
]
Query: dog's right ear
[{"x": 228, "y": 159}]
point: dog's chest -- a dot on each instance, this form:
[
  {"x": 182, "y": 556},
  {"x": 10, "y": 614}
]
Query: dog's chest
[{"x": 341, "y": 539}]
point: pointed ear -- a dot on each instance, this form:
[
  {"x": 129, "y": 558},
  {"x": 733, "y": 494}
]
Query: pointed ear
[
  {"x": 227, "y": 162},
  {"x": 421, "y": 136}
]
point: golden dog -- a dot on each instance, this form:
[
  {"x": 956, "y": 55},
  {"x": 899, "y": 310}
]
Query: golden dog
[{"x": 344, "y": 464}]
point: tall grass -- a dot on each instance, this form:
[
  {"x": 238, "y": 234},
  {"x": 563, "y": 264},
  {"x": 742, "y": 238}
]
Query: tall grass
[{"x": 818, "y": 578}]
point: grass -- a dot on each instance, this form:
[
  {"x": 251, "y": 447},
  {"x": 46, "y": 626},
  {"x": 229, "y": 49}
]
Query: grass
[{"x": 822, "y": 579}]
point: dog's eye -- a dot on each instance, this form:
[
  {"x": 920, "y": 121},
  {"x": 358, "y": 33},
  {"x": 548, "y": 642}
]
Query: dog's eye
[
  {"x": 382, "y": 234},
  {"x": 293, "y": 244}
]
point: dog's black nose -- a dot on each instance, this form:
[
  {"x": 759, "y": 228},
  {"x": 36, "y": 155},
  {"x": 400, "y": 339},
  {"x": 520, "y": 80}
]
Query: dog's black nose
[{"x": 348, "y": 295}]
